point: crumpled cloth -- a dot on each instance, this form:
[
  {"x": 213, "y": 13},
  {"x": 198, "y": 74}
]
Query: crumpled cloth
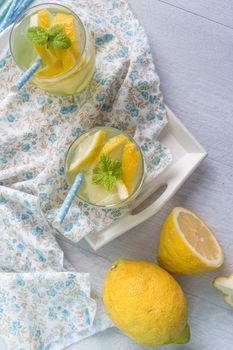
[{"x": 42, "y": 305}]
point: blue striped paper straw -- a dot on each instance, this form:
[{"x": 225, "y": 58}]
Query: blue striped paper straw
[
  {"x": 24, "y": 4},
  {"x": 4, "y": 10},
  {"x": 7, "y": 19},
  {"x": 27, "y": 75},
  {"x": 69, "y": 199},
  {"x": 1, "y": 2}
]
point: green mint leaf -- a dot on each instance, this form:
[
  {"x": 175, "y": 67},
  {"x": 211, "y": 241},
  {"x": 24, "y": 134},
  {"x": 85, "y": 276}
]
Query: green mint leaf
[
  {"x": 98, "y": 176},
  {"x": 116, "y": 169},
  {"x": 109, "y": 182},
  {"x": 54, "y": 31},
  {"x": 105, "y": 162},
  {"x": 60, "y": 41},
  {"x": 107, "y": 172},
  {"x": 38, "y": 35}
]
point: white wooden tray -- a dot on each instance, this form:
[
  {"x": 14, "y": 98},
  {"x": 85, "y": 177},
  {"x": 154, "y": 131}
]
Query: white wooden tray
[{"x": 187, "y": 154}]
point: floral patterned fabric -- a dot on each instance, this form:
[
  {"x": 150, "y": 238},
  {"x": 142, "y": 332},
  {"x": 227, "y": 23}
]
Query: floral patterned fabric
[{"x": 42, "y": 306}]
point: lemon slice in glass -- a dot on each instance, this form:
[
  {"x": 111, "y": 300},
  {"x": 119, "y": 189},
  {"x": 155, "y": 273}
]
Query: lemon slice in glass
[
  {"x": 114, "y": 144},
  {"x": 122, "y": 190},
  {"x": 49, "y": 71},
  {"x": 87, "y": 150},
  {"x": 99, "y": 194},
  {"x": 130, "y": 158},
  {"x": 69, "y": 27},
  {"x": 43, "y": 19},
  {"x": 187, "y": 245}
]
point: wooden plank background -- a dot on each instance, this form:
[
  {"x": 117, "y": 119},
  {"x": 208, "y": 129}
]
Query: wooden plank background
[{"x": 192, "y": 43}]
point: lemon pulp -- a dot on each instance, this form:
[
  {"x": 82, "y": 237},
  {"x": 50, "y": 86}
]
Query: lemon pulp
[{"x": 187, "y": 245}]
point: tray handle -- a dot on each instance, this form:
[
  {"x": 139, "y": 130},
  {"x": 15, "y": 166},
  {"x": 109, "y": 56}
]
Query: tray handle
[
  {"x": 152, "y": 209},
  {"x": 173, "y": 183}
]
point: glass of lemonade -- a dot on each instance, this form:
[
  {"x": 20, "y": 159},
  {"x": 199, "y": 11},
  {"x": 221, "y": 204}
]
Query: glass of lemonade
[
  {"x": 112, "y": 164},
  {"x": 65, "y": 46}
]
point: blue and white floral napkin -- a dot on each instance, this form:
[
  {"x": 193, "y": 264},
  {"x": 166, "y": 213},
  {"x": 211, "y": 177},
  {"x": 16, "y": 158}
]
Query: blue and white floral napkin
[
  {"x": 37, "y": 129},
  {"x": 35, "y": 132},
  {"x": 40, "y": 310}
]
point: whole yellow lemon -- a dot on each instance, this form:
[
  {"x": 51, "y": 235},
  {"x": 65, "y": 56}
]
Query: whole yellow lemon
[{"x": 146, "y": 303}]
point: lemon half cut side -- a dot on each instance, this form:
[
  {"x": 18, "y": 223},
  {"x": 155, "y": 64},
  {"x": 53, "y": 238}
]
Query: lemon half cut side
[{"x": 187, "y": 245}]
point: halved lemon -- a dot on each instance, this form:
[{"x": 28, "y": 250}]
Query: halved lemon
[
  {"x": 187, "y": 245},
  {"x": 130, "y": 158},
  {"x": 225, "y": 285},
  {"x": 86, "y": 150},
  {"x": 122, "y": 190}
]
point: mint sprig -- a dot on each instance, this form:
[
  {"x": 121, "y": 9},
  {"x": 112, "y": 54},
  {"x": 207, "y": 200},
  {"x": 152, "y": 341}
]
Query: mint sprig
[
  {"x": 107, "y": 172},
  {"x": 52, "y": 37},
  {"x": 38, "y": 35},
  {"x": 54, "y": 31},
  {"x": 60, "y": 41}
]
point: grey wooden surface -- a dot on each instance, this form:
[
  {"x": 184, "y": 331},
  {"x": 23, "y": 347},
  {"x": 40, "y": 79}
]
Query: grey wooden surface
[{"x": 192, "y": 44}]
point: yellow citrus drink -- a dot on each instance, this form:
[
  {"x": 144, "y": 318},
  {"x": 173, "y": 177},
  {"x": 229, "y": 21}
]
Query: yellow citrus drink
[
  {"x": 112, "y": 164},
  {"x": 59, "y": 38}
]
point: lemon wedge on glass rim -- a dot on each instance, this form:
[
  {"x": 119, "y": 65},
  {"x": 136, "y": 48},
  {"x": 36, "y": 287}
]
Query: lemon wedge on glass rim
[
  {"x": 87, "y": 150},
  {"x": 187, "y": 245}
]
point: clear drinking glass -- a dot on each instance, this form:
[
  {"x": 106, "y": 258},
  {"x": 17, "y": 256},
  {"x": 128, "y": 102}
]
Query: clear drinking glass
[
  {"x": 97, "y": 192},
  {"x": 70, "y": 81}
]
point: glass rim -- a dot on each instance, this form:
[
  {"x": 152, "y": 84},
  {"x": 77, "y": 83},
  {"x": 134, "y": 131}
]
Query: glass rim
[
  {"x": 133, "y": 195},
  {"x": 32, "y": 9}
]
